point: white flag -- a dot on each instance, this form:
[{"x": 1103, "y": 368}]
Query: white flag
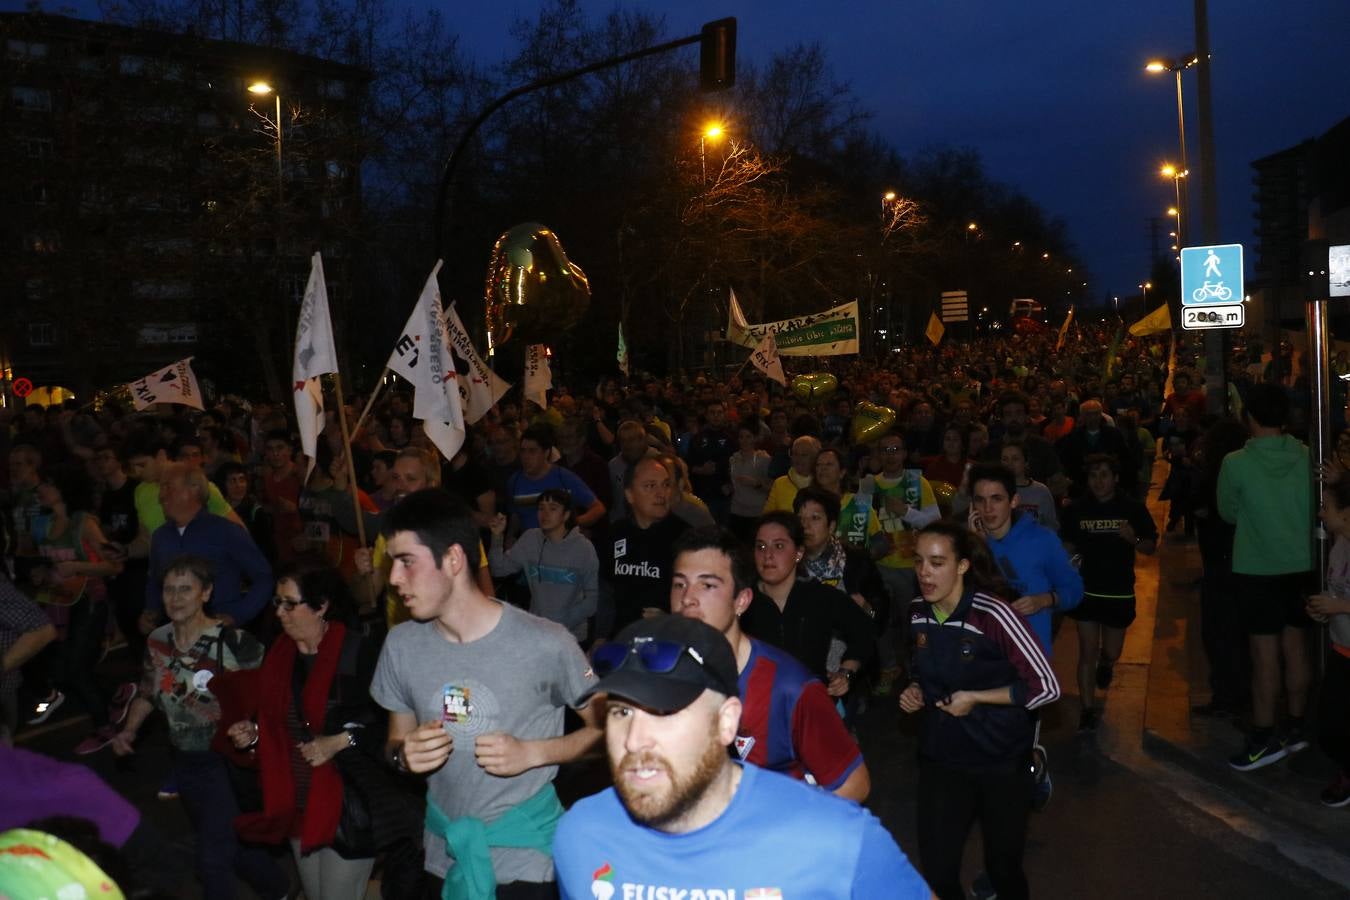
[
  {"x": 174, "y": 383},
  {"x": 479, "y": 386},
  {"x": 538, "y": 375},
  {"x": 738, "y": 329},
  {"x": 765, "y": 358},
  {"x": 422, "y": 355},
  {"x": 314, "y": 356}
]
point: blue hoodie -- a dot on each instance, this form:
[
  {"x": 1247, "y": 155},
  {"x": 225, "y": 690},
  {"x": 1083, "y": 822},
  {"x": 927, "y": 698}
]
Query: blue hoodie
[{"x": 1035, "y": 562}]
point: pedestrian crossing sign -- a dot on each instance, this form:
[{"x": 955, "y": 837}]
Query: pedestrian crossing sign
[{"x": 1211, "y": 276}]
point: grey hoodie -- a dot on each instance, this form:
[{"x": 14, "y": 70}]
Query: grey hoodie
[{"x": 564, "y": 576}]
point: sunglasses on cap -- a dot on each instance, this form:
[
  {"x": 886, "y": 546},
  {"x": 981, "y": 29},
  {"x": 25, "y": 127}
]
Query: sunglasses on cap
[{"x": 656, "y": 656}]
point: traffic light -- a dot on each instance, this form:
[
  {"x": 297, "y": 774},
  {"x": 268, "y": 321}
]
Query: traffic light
[{"x": 717, "y": 55}]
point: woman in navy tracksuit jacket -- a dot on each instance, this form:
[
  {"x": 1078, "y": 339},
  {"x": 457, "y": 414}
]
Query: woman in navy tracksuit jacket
[{"x": 978, "y": 672}]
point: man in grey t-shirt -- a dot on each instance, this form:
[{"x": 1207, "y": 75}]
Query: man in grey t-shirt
[{"x": 476, "y": 691}]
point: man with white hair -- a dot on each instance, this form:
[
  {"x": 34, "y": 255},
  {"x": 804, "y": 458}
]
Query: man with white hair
[
  {"x": 803, "y": 455},
  {"x": 243, "y": 578}
]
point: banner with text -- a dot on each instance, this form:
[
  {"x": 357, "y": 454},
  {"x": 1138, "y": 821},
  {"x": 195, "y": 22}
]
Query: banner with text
[{"x": 833, "y": 332}]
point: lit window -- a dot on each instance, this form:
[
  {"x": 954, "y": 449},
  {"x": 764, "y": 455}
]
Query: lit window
[{"x": 31, "y": 98}]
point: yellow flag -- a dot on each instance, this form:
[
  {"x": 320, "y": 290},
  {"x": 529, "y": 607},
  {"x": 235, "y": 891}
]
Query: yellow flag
[
  {"x": 1064, "y": 330},
  {"x": 1156, "y": 322},
  {"x": 935, "y": 330}
]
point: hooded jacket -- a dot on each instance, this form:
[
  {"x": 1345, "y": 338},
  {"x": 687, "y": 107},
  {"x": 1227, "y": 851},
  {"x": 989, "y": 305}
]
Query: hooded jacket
[
  {"x": 1033, "y": 561},
  {"x": 1265, "y": 489}
]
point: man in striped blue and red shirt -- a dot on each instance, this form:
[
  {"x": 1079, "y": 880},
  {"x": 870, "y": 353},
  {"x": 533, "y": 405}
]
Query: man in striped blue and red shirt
[{"x": 789, "y": 723}]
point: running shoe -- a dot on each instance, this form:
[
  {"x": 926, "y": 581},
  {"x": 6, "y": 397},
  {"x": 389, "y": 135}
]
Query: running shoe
[
  {"x": 121, "y": 702},
  {"x": 1105, "y": 671},
  {"x": 1043, "y": 786},
  {"x": 96, "y": 741},
  {"x": 48, "y": 705},
  {"x": 1337, "y": 793},
  {"x": 169, "y": 789},
  {"x": 1294, "y": 740},
  {"x": 1258, "y": 754}
]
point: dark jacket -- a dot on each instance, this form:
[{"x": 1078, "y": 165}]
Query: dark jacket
[
  {"x": 983, "y": 645},
  {"x": 814, "y": 612}
]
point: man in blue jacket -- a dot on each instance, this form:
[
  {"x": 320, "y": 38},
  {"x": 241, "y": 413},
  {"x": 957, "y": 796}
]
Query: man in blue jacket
[
  {"x": 1035, "y": 564},
  {"x": 190, "y": 529}
]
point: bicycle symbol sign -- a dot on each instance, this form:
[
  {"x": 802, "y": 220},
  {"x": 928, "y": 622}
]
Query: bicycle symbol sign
[{"x": 1211, "y": 276}]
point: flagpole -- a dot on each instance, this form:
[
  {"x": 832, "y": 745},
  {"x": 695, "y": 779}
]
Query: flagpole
[
  {"x": 351, "y": 465},
  {"x": 375, "y": 392}
]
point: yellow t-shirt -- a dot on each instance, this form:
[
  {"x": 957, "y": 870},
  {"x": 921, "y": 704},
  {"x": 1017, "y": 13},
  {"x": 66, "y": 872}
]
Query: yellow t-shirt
[{"x": 784, "y": 491}]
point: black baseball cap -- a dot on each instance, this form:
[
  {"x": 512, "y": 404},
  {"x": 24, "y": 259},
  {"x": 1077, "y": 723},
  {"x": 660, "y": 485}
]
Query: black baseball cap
[{"x": 664, "y": 663}]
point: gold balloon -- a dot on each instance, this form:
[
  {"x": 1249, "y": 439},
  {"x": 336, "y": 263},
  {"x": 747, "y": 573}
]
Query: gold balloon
[
  {"x": 943, "y": 491},
  {"x": 871, "y": 421},
  {"x": 816, "y": 386},
  {"x": 533, "y": 292}
]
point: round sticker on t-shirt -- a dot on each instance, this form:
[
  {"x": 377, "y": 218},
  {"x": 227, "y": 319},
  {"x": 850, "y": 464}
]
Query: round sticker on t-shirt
[{"x": 200, "y": 679}]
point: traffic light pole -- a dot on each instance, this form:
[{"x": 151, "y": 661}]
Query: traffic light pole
[{"x": 717, "y": 72}]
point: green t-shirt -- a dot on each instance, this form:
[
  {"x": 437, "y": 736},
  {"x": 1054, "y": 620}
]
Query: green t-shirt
[{"x": 151, "y": 513}]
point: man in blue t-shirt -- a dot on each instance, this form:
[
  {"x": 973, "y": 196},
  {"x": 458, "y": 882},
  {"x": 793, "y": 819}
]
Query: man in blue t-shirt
[
  {"x": 537, "y": 474},
  {"x": 684, "y": 818}
]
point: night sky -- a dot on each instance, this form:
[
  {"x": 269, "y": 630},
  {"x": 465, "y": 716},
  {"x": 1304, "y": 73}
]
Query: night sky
[{"x": 1052, "y": 93}]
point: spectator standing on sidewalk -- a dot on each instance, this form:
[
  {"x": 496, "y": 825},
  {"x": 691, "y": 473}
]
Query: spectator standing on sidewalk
[
  {"x": 1265, "y": 489},
  {"x": 1333, "y": 608}
]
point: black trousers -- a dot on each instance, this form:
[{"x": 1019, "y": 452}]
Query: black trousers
[
  {"x": 1221, "y": 630},
  {"x": 1333, "y": 717},
  {"x": 950, "y": 801}
]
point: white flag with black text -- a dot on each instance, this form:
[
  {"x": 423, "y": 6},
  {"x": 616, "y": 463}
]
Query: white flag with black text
[{"x": 422, "y": 355}]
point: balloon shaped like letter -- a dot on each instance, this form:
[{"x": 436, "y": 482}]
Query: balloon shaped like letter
[{"x": 533, "y": 290}]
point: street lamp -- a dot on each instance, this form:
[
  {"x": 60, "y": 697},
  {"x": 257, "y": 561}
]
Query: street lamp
[
  {"x": 1170, "y": 171},
  {"x": 713, "y": 131},
  {"x": 262, "y": 88},
  {"x": 1176, "y": 66},
  {"x": 1145, "y": 287}
]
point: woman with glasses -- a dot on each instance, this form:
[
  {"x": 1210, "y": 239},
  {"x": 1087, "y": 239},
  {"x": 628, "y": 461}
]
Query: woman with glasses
[
  {"x": 183, "y": 662},
  {"x": 305, "y": 720}
]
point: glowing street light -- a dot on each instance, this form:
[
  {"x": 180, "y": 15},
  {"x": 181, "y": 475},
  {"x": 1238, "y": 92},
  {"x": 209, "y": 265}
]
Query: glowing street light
[
  {"x": 262, "y": 88},
  {"x": 713, "y": 131},
  {"x": 1170, "y": 171},
  {"x": 1177, "y": 66}
]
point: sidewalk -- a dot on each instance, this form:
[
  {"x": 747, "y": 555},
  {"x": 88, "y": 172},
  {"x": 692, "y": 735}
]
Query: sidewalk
[{"x": 1177, "y": 680}]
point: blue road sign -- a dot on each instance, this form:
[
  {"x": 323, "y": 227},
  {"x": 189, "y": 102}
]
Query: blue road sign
[{"x": 1211, "y": 276}]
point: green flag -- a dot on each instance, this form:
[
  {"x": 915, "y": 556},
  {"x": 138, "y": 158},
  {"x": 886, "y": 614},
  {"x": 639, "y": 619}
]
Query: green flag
[{"x": 622, "y": 355}]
